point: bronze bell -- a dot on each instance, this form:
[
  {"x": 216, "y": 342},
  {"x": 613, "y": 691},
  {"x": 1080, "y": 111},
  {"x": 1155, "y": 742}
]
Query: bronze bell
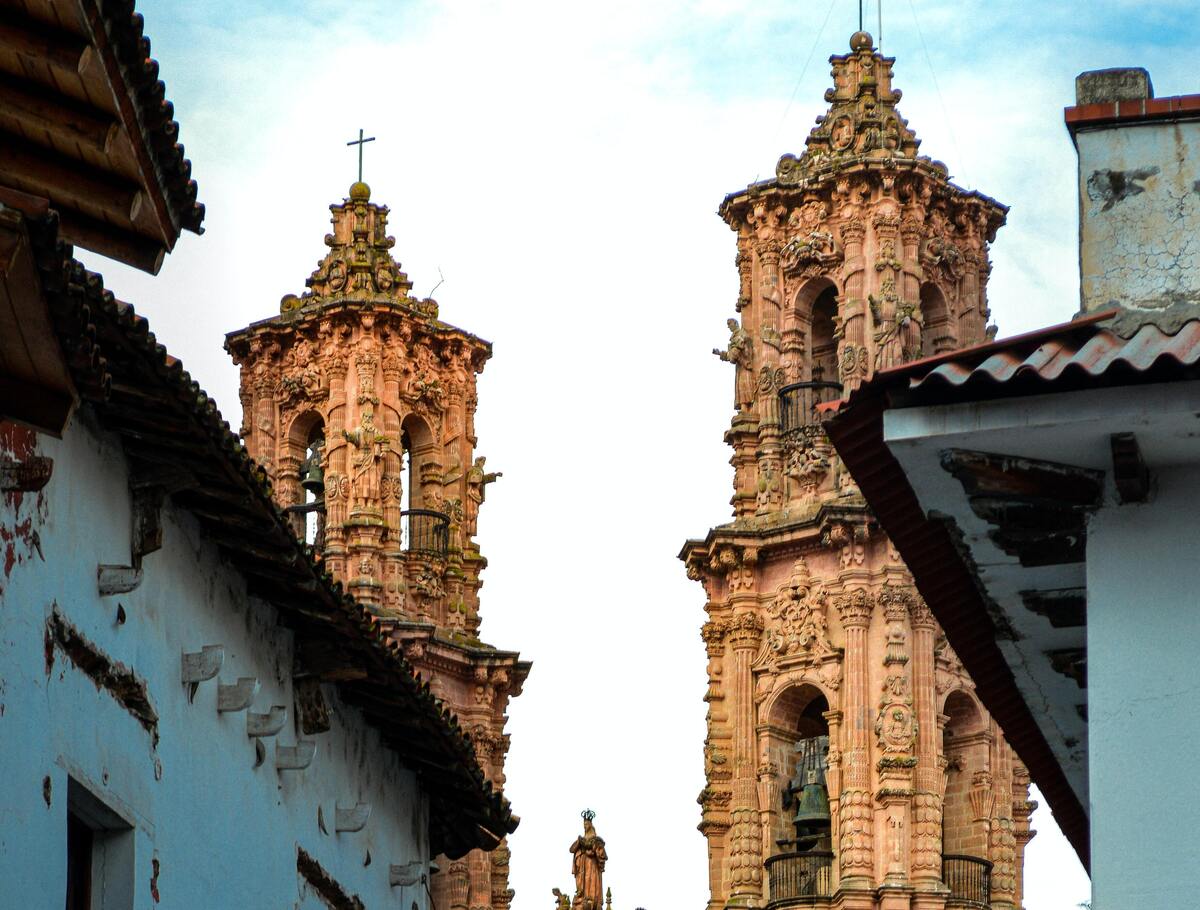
[
  {"x": 312, "y": 478},
  {"x": 812, "y": 808},
  {"x": 811, "y": 819}
]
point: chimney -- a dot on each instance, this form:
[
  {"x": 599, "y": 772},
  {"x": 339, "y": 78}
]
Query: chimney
[{"x": 1139, "y": 194}]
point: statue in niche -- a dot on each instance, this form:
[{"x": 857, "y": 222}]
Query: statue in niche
[
  {"x": 588, "y": 866},
  {"x": 740, "y": 352},
  {"x": 367, "y": 463}
]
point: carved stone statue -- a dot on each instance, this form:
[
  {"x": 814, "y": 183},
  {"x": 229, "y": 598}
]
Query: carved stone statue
[
  {"x": 740, "y": 352},
  {"x": 477, "y": 481},
  {"x": 588, "y": 866},
  {"x": 368, "y": 460}
]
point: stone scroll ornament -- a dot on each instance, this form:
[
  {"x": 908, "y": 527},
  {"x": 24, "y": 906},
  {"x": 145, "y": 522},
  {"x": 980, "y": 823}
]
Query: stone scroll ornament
[{"x": 798, "y": 621}]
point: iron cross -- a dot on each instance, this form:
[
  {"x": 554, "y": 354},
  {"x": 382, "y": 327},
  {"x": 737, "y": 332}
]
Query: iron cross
[{"x": 360, "y": 141}]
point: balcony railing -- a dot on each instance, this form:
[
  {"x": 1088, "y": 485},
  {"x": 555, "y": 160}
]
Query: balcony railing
[
  {"x": 797, "y": 878},
  {"x": 969, "y": 880},
  {"x": 428, "y": 532},
  {"x": 798, "y": 403}
]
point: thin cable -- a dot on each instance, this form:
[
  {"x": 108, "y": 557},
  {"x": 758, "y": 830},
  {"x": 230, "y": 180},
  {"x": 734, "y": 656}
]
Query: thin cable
[
  {"x": 812, "y": 50},
  {"x": 879, "y": 10},
  {"x": 937, "y": 88}
]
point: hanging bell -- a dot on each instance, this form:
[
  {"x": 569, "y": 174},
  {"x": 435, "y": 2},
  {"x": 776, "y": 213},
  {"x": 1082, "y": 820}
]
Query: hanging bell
[
  {"x": 312, "y": 478},
  {"x": 812, "y": 808}
]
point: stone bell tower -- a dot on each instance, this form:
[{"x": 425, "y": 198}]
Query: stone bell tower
[
  {"x": 359, "y": 402},
  {"x": 848, "y": 761}
]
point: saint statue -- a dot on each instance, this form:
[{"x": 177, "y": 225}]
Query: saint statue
[
  {"x": 740, "y": 352},
  {"x": 587, "y": 866},
  {"x": 367, "y": 463},
  {"x": 477, "y": 481}
]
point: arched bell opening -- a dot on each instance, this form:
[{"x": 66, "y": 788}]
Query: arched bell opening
[
  {"x": 967, "y": 806},
  {"x": 800, "y": 864},
  {"x": 813, "y": 381},
  {"x": 798, "y": 746},
  {"x": 937, "y": 328},
  {"x": 823, "y": 351},
  {"x": 305, "y": 447},
  {"x": 419, "y": 471}
]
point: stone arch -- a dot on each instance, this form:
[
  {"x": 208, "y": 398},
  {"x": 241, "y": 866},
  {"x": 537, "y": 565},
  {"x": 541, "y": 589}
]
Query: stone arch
[
  {"x": 303, "y": 439},
  {"x": 421, "y": 463},
  {"x": 794, "y": 712},
  {"x": 966, "y": 745},
  {"x": 814, "y": 311},
  {"x": 938, "y": 330}
]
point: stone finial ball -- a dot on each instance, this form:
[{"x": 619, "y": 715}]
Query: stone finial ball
[
  {"x": 861, "y": 41},
  {"x": 359, "y": 191}
]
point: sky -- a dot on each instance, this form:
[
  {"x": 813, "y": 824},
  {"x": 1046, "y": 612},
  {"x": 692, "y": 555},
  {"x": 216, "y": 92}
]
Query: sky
[{"x": 557, "y": 167}]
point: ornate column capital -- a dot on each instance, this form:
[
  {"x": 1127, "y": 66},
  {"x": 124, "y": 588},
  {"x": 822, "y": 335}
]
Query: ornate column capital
[
  {"x": 854, "y": 608},
  {"x": 744, "y": 630}
]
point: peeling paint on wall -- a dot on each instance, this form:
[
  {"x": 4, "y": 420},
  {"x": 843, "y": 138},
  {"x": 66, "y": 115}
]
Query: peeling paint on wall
[
  {"x": 323, "y": 883},
  {"x": 1139, "y": 240},
  {"x": 19, "y": 539},
  {"x": 115, "y": 678}
]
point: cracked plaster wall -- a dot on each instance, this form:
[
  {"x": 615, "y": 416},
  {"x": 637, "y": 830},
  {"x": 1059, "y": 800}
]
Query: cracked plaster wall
[
  {"x": 1144, "y": 697},
  {"x": 1139, "y": 191},
  {"x": 222, "y": 832}
]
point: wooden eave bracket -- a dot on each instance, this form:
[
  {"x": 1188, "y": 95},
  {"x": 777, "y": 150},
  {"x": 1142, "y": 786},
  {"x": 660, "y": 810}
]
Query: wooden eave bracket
[{"x": 1130, "y": 474}]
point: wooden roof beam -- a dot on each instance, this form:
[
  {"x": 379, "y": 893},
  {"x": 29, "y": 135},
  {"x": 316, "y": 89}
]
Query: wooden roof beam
[
  {"x": 39, "y": 109},
  {"x": 37, "y": 41},
  {"x": 33, "y": 168}
]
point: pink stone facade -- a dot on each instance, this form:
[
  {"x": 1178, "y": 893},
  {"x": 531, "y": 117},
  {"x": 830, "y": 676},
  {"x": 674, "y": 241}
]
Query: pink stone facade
[
  {"x": 859, "y": 255},
  {"x": 359, "y": 402}
]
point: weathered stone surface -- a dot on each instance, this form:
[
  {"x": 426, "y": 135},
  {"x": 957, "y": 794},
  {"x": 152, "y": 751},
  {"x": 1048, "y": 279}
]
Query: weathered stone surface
[
  {"x": 860, "y": 256},
  {"x": 359, "y": 386}
]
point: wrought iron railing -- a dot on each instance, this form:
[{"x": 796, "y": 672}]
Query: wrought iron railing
[
  {"x": 796, "y": 878},
  {"x": 969, "y": 880},
  {"x": 798, "y": 403},
  {"x": 428, "y": 532}
]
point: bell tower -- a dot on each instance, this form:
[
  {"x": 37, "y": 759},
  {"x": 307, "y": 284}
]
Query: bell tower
[
  {"x": 359, "y": 402},
  {"x": 848, "y": 762}
]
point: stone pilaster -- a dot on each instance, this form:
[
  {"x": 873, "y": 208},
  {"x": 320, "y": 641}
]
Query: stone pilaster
[
  {"x": 927, "y": 803},
  {"x": 745, "y": 865},
  {"x": 855, "y": 803}
]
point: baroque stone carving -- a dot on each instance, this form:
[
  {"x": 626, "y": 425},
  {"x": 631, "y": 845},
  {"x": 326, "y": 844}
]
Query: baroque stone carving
[
  {"x": 797, "y": 622},
  {"x": 740, "y": 352}
]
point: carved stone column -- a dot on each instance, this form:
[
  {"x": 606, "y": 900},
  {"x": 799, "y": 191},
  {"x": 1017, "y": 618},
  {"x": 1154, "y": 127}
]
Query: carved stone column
[
  {"x": 1023, "y": 808},
  {"x": 855, "y": 810},
  {"x": 744, "y": 860},
  {"x": 927, "y": 804}
]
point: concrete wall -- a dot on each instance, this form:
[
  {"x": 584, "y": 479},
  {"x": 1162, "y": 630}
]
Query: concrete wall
[
  {"x": 208, "y": 828},
  {"x": 1144, "y": 697},
  {"x": 1139, "y": 194}
]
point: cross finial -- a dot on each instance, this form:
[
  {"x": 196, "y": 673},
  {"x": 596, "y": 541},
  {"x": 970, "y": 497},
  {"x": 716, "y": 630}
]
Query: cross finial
[{"x": 360, "y": 142}]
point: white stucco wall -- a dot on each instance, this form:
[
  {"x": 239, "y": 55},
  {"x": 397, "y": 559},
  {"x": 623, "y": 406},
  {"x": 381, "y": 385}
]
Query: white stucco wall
[
  {"x": 1143, "y": 628},
  {"x": 1139, "y": 215},
  {"x": 224, "y": 833}
]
